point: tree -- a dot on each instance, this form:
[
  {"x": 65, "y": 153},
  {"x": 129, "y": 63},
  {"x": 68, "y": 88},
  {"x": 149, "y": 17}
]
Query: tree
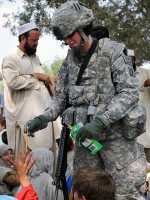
[
  {"x": 54, "y": 68},
  {"x": 127, "y": 21}
]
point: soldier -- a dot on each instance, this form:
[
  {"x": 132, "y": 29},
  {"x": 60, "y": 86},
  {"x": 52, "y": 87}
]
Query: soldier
[{"x": 104, "y": 97}]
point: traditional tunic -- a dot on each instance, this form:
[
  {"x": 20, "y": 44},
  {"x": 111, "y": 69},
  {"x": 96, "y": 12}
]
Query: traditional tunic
[
  {"x": 25, "y": 97},
  {"x": 144, "y": 100}
]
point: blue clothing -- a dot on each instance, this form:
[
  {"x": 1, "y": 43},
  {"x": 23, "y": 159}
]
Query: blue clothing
[
  {"x": 6, "y": 197},
  {"x": 69, "y": 184},
  {"x": 148, "y": 196}
]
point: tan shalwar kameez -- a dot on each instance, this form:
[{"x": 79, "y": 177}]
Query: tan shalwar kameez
[
  {"x": 25, "y": 97},
  {"x": 144, "y": 100}
]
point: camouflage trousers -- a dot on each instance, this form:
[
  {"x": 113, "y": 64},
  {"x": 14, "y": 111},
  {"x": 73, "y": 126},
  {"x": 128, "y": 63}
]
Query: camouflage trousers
[{"x": 124, "y": 160}]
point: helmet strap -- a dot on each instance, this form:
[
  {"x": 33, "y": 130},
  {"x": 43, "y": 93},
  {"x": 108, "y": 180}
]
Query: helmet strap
[
  {"x": 83, "y": 40},
  {"x": 84, "y": 36}
]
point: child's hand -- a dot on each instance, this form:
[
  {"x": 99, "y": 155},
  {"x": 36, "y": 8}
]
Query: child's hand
[{"x": 22, "y": 167}]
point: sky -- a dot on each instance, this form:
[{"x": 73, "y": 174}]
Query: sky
[{"x": 48, "y": 48}]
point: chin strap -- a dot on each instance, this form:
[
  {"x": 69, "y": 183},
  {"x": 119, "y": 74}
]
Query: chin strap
[
  {"x": 84, "y": 36},
  {"x": 84, "y": 39}
]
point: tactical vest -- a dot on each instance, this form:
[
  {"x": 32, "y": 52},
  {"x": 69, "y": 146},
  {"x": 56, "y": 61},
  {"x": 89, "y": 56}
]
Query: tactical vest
[
  {"x": 96, "y": 90},
  {"x": 134, "y": 122}
]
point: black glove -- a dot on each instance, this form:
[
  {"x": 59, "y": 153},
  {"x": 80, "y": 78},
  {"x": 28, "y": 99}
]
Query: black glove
[
  {"x": 92, "y": 129},
  {"x": 35, "y": 124}
]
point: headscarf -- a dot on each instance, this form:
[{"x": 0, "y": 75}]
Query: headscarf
[
  {"x": 3, "y": 148},
  {"x": 4, "y": 168},
  {"x": 40, "y": 174},
  {"x": 44, "y": 162}
]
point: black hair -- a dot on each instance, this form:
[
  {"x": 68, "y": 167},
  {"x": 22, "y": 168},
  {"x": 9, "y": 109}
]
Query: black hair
[
  {"x": 88, "y": 29},
  {"x": 70, "y": 143},
  {"x": 56, "y": 31},
  {"x": 4, "y": 137},
  {"x": 100, "y": 32}
]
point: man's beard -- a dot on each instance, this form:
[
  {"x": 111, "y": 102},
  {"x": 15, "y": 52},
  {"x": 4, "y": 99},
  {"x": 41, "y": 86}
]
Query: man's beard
[{"x": 29, "y": 50}]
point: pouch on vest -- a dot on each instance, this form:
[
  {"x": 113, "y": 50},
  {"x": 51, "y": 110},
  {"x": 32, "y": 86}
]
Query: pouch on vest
[
  {"x": 134, "y": 122},
  {"x": 68, "y": 116}
]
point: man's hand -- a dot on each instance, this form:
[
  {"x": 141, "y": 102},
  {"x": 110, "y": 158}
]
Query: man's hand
[
  {"x": 36, "y": 124},
  {"x": 45, "y": 78},
  {"x": 51, "y": 85},
  {"x": 147, "y": 83},
  {"x": 92, "y": 130},
  {"x": 49, "y": 82}
]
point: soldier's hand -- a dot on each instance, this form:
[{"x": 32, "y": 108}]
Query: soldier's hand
[
  {"x": 35, "y": 124},
  {"x": 91, "y": 130}
]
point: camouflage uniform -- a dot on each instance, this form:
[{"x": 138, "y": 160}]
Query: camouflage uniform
[{"x": 109, "y": 85}]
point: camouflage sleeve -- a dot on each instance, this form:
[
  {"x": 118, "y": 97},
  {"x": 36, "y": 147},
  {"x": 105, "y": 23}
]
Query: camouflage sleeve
[
  {"x": 125, "y": 83},
  {"x": 58, "y": 102}
]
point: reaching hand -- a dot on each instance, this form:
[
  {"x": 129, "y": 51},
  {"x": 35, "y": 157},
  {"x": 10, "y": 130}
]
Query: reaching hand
[{"x": 22, "y": 167}]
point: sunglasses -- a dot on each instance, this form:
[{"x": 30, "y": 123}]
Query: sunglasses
[{"x": 71, "y": 35}]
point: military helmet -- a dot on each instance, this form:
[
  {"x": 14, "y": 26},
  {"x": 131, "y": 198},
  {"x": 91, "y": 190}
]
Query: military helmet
[{"x": 69, "y": 17}]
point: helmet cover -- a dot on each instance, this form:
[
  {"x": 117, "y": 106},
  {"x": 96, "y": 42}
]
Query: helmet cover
[{"x": 69, "y": 17}]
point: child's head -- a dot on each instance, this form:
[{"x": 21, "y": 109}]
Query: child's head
[
  {"x": 4, "y": 137},
  {"x": 6, "y": 154},
  {"x": 90, "y": 183},
  {"x": 2, "y": 123},
  {"x": 70, "y": 146},
  {"x": 44, "y": 161}
]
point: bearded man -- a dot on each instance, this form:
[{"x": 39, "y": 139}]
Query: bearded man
[{"x": 25, "y": 90}]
